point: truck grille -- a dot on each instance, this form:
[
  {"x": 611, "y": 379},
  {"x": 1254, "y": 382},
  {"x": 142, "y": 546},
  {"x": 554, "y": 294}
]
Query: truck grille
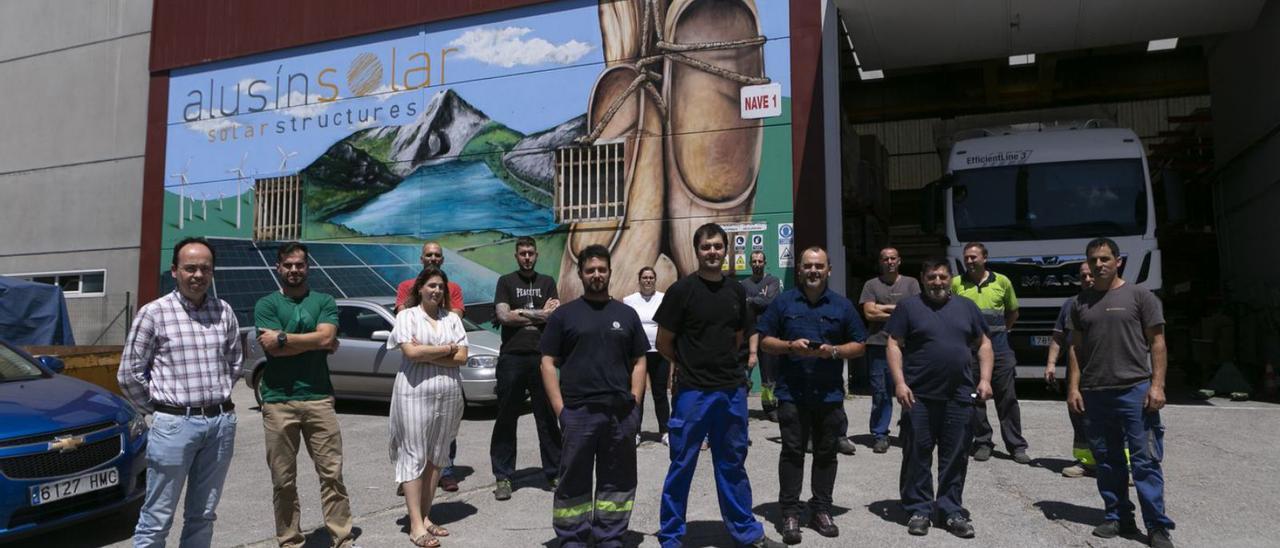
[{"x": 54, "y": 464}]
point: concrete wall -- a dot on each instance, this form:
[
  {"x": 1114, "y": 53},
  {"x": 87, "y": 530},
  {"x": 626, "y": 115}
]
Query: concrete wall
[
  {"x": 1244, "y": 72},
  {"x": 73, "y": 77}
]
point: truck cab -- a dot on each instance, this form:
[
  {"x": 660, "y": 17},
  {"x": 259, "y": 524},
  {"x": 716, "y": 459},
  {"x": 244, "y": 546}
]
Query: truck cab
[{"x": 1035, "y": 195}]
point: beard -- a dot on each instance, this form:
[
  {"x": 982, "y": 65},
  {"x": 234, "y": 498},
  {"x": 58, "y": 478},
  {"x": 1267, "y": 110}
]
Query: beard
[
  {"x": 597, "y": 286},
  {"x": 937, "y": 294}
]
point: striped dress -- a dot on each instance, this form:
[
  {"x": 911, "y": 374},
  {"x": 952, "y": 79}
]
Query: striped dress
[{"x": 426, "y": 403}]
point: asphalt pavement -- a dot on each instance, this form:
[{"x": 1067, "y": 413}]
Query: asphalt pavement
[{"x": 1220, "y": 466}]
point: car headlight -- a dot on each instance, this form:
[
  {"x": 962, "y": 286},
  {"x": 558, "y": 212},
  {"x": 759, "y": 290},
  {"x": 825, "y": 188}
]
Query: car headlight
[
  {"x": 137, "y": 425},
  {"x": 482, "y": 362}
]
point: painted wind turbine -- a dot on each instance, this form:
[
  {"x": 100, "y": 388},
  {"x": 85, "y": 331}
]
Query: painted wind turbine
[
  {"x": 284, "y": 157},
  {"x": 182, "y": 177},
  {"x": 239, "y": 173}
]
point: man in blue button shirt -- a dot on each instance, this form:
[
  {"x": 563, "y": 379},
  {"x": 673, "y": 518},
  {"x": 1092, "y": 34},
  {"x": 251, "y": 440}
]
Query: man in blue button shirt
[
  {"x": 931, "y": 339},
  {"x": 814, "y": 330}
]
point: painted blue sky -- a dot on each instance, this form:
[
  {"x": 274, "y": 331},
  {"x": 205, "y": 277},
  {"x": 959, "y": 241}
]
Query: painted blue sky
[{"x": 528, "y": 68}]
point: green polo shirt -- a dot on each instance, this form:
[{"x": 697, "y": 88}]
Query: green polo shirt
[
  {"x": 993, "y": 296},
  {"x": 305, "y": 376}
]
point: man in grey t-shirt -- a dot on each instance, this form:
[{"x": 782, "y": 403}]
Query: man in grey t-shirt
[
  {"x": 761, "y": 288},
  {"x": 1117, "y": 378},
  {"x": 880, "y": 296}
]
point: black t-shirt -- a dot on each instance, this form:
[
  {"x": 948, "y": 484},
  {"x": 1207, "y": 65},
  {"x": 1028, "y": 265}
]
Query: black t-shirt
[
  {"x": 705, "y": 316},
  {"x": 596, "y": 343},
  {"x": 937, "y": 343},
  {"x": 528, "y": 293}
]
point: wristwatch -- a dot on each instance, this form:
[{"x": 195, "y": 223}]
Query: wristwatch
[
  {"x": 281, "y": 338},
  {"x": 835, "y": 353}
]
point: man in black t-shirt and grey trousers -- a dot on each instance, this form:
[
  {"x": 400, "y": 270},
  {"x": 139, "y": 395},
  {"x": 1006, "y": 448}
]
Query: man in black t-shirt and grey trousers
[
  {"x": 522, "y": 301},
  {"x": 597, "y": 345},
  {"x": 1118, "y": 360},
  {"x": 700, "y": 325}
]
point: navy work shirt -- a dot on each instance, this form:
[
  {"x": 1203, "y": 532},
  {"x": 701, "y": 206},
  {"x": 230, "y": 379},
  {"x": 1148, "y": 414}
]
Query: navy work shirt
[
  {"x": 596, "y": 343},
  {"x": 833, "y": 320},
  {"x": 937, "y": 343}
]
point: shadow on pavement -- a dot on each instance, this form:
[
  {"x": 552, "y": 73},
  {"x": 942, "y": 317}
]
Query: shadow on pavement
[
  {"x": 442, "y": 514},
  {"x": 1053, "y": 465},
  {"x": 101, "y": 531},
  {"x": 868, "y": 440},
  {"x": 1057, "y": 510},
  {"x": 630, "y": 539},
  {"x": 889, "y": 510},
  {"x": 772, "y": 512}
]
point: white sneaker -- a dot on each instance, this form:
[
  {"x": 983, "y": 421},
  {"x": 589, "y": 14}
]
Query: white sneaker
[
  {"x": 637, "y": 440},
  {"x": 665, "y": 439}
]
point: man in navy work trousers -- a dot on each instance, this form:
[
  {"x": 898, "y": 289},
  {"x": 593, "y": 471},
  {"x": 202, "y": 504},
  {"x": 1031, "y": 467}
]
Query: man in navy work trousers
[
  {"x": 598, "y": 345},
  {"x": 814, "y": 330},
  {"x": 700, "y": 326},
  {"x": 932, "y": 337},
  {"x": 1117, "y": 373}
]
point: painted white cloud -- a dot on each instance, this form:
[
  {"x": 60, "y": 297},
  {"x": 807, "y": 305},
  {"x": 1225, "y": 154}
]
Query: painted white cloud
[
  {"x": 261, "y": 87},
  {"x": 207, "y": 123},
  {"x": 302, "y": 105},
  {"x": 508, "y": 47}
]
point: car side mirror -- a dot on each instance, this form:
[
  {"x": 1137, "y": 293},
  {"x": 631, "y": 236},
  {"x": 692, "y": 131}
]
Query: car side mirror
[
  {"x": 380, "y": 335},
  {"x": 53, "y": 363}
]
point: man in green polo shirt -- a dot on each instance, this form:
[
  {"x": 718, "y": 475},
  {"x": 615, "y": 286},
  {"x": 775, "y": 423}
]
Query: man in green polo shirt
[
  {"x": 298, "y": 329},
  {"x": 993, "y": 293}
]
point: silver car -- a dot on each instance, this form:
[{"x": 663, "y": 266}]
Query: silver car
[{"x": 363, "y": 368}]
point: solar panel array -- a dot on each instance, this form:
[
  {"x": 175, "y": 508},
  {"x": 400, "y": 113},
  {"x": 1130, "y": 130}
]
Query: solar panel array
[{"x": 246, "y": 270}]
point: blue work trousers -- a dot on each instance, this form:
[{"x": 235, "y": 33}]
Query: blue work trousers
[
  {"x": 946, "y": 425},
  {"x": 1117, "y": 419},
  {"x": 599, "y": 448},
  {"x": 881, "y": 391},
  {"x": 720, "y": 417}
]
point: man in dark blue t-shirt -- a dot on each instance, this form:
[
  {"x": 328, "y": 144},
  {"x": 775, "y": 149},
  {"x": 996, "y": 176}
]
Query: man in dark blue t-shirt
[
  {"x": 598, "y": 346},
  {"x": 931, "y": 340},
  {"x": 814, "y": 330}
]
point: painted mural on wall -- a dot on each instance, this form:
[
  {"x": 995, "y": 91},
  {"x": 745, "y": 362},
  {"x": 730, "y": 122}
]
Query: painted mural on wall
[{"x": 448, "y": 132}]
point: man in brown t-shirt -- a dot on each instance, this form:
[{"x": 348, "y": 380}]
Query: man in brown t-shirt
[{"x": 1117, "y": 377}]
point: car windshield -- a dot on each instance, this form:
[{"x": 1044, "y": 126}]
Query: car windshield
[
  {"x": 14, "y": 367},
  {"x": 1081, "y": 199},
  {"x": 466, "y": 324}
]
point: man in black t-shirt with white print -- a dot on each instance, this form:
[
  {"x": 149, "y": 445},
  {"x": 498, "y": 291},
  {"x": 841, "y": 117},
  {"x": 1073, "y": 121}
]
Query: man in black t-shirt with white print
[
  {"x": 522, "y": 301},
  {"x": 593, "y": 367}
]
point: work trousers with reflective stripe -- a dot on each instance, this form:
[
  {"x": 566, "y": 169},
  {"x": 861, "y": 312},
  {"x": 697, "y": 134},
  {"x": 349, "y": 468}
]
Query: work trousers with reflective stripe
[{"x": 600, "y": 443}]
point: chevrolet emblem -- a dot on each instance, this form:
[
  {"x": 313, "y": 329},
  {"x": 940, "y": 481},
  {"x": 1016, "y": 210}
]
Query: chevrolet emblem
[{"x": 66, "y": 444}]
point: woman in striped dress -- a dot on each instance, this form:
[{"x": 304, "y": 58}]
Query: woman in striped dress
[{"x": 426, "y": 403}]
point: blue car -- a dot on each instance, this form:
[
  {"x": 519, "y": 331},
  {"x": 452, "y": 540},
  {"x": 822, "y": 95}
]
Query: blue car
[{"x": 69, "y": 450}]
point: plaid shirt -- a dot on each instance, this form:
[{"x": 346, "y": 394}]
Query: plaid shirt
[{"x": 181, "y": 355}]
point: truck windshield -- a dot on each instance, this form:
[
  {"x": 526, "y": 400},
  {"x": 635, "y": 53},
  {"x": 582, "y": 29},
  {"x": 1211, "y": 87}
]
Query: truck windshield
[{"x": 1079, "y": 199}]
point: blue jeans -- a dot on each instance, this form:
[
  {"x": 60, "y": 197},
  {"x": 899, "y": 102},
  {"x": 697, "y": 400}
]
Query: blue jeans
[
  {"x": 1116, "y": 418},
  {"x": 720, "y": 417},
  {"x": 191, "y": 450},
  {"x": 881, "y": 391}
]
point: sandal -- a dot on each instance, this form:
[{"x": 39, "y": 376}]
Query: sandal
[
  {"x": 436, "y": 530},
  {"x": 425, "y": 540}
]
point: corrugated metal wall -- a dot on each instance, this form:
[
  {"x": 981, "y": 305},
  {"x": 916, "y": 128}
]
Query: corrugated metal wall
[{"x": 913, "y": 156}]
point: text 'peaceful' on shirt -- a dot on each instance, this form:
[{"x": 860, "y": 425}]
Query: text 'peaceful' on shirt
[
  {"x": 705, "y": 317},
  {"x": 517, "y": 292},
  {"x": 937, "y": 342},
  {"x": 596, "y": 343},
  {"x": 831, "y": 319}
]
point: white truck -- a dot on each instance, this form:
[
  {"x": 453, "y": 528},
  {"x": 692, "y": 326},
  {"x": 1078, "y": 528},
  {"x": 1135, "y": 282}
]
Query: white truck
[{"x": 1035, "y": 195}]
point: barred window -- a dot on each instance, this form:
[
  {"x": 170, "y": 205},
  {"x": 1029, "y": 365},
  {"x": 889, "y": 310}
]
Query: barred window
[
  {"x": 591, "y": 182},
  {"x": 277, "y": 212}
]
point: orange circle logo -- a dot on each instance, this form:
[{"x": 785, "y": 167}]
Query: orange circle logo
[{"x": 364, "y": 74}]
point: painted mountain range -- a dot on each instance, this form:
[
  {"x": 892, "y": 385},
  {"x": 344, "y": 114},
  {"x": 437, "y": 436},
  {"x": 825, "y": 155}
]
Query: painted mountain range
[{"x": 373, "y": 161}]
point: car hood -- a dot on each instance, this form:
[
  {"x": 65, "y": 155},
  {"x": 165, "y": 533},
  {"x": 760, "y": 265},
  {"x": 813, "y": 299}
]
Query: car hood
[{"x": 46, "y": 405}]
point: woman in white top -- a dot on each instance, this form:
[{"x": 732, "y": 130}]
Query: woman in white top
[
  {"x": 645, "y": 302},
  {"x": 426, "y": 403}
]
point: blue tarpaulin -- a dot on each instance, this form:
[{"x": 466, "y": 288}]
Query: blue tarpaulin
[{"x": 33, "y": 314}]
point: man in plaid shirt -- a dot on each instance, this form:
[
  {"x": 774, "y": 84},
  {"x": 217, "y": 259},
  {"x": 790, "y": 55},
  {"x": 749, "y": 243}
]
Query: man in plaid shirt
[{"x": 180, "y": 361}]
